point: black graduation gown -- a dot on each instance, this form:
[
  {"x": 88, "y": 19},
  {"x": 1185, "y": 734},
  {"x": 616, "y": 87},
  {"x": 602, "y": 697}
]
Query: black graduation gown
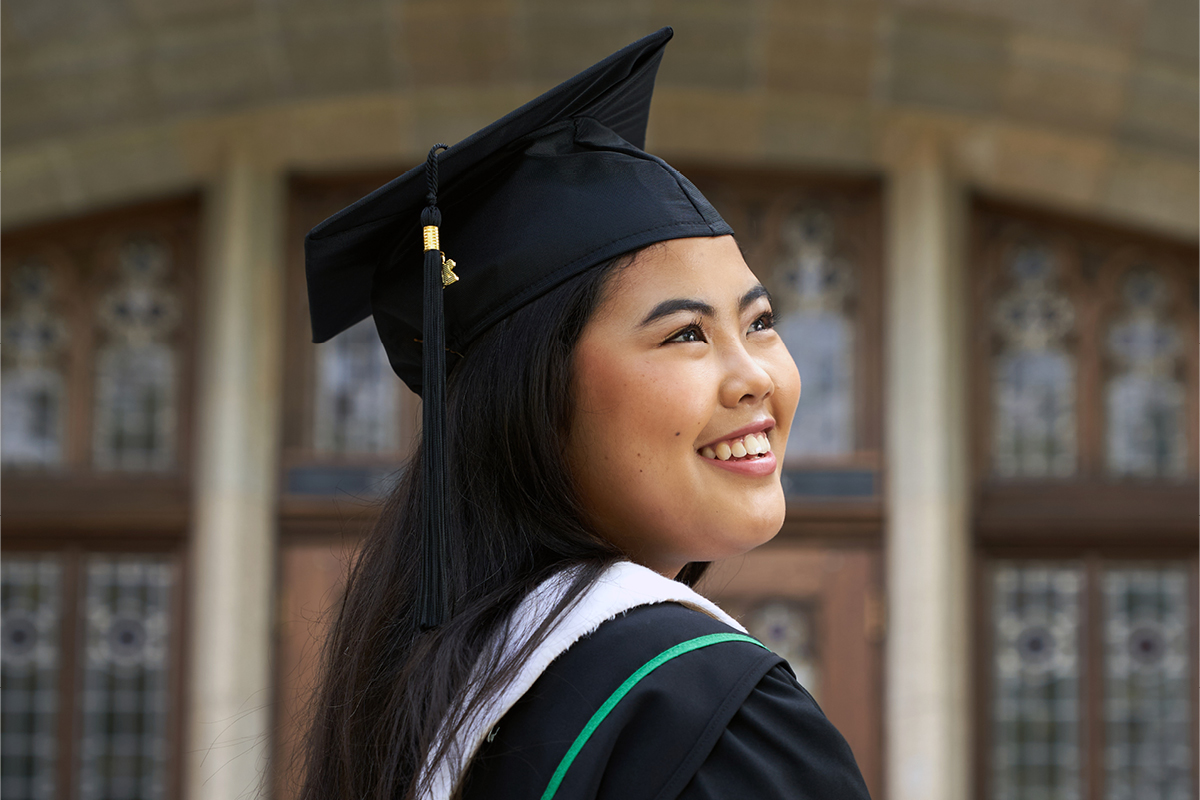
[{"x": 722, "y": 722}]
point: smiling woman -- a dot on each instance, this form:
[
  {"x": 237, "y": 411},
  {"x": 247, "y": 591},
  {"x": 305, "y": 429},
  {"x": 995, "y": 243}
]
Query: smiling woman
[
  {"x": 605, "y": 406},
  {"x": 674, "y": 399}
]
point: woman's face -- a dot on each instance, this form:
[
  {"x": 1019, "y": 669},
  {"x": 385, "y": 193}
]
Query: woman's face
[{"x": 684, "y": 395}]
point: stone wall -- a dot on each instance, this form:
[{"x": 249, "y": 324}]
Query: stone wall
[{"x": 1086, "y": 105}]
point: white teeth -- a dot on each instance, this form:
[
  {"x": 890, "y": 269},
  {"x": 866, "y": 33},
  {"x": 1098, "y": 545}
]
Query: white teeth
[{"x": 752, "y": 444}]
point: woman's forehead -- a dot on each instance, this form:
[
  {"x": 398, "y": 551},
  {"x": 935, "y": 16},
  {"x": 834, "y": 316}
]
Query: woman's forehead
[{"x": 709, "y": 269}]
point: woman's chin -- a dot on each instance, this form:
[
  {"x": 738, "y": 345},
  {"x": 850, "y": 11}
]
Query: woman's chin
[{"x": 747, "y": 539}]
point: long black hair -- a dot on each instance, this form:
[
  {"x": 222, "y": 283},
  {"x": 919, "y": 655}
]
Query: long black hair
[{"x": 515, "y": 519}]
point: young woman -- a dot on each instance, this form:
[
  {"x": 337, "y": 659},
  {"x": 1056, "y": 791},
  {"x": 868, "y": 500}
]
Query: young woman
[{"x": 521, "y": 622}]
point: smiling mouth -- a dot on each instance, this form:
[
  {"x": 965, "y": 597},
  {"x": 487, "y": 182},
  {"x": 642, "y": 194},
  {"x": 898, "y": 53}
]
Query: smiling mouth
[{"x": 750, "y": 447}]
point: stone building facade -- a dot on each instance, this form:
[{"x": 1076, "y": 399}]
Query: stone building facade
[{"x": 983, "y": 214}]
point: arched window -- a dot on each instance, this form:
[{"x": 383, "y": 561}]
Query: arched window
[
  {"x": 1085, "y": 502},
  {"x": 97, "y": 359}
]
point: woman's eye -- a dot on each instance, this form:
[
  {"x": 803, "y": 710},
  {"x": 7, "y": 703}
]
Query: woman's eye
[
  {"x": 763, "y": 323},
  {"x": 691, "y": 333}
]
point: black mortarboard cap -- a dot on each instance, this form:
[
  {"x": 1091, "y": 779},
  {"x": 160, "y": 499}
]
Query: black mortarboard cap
[{"x": 556, "y": 187}]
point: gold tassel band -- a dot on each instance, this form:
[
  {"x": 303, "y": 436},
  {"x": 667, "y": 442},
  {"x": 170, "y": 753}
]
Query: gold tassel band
[{"x": 430, "y": 234}]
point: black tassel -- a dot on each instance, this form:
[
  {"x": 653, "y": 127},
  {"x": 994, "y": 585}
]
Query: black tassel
[{"x": 433, "y": 601}]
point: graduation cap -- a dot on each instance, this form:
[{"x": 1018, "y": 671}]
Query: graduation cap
[{"x": 554, "y": 188}]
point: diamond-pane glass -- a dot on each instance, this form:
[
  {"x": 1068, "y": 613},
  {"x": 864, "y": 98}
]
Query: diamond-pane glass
[
  {"x": 30, "y": 602},
  {"x": 357, "y": 394},
  {"x": 1033, "y": 382},
  {"x": 786, "y": 627},
  {"x": 1148, "y": 728},
  {"x": 32, "y": 389},
  {"x": 814, "y": 287},
  {"x": 1145, "y": 397},
  {"x": 126, "y": 610},
  {"x": 137, "y": 367},
  {"x": 1036, "y": 687}
]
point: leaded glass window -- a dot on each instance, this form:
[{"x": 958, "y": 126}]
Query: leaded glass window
[
  {"x": 30, "y": 591},
  {"x": 123, "y": 749},
  {"x": 357, "y": 394},
  {"x": 1147, "y": 681},
  {"x": 813, "y": 288},
  {"x": 787, "y": 628},
  {"x": 1085, "y": 370},
  {"x": 33, "y": 389},
  {"x": 1033, "y": 391},
  {"x": 1133, "y": 622},
  {"x": 117, "y": 691},
  {"x": 1145, "y": 397},
  {"x": 1036, "y": 713},
  {"x": 135, "y": 416}
]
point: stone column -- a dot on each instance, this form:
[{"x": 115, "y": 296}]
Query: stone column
[
  {"x": 928, "y": 726},
  {"x": 237, "y": 436}
]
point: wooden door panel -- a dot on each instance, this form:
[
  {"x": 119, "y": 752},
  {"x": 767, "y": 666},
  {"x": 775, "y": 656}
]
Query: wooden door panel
[{"x": 311, "y": 576}]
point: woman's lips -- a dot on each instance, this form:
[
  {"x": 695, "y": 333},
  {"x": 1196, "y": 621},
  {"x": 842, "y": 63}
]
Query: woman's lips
[{"x": 753, "y": 466}]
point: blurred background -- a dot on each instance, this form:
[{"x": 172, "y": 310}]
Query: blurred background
[{"x": 978, "y": 219}]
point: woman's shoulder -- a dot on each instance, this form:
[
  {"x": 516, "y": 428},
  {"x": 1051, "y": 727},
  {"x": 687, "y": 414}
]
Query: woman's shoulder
[
  {"x": 659, "y": 649},
  {"x": 778, "y": 745},
  {"x": 652, "y": 629},
  {"x": 650, "y": 691}
]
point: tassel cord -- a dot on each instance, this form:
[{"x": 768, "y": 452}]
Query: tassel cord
[{"x": 432, "y": 590}]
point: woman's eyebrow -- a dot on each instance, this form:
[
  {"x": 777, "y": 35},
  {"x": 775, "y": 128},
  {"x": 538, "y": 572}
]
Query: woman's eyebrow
[
  {"x": 749, "y": 297},
  {"x": 669, "y": 307}
]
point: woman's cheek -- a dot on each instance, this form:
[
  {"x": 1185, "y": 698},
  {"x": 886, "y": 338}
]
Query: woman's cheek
[{"x": 787, "y": 390}]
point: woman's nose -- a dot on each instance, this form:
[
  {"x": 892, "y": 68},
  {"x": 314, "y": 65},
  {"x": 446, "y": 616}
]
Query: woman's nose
[{"x": 745, "y": 378}]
